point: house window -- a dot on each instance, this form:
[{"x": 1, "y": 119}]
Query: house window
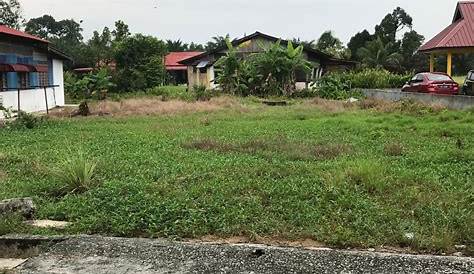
[
  {"x": 43, "y": 79},
  {"x": 3, "y": 81},
  {"x": 23, "y": 80}
]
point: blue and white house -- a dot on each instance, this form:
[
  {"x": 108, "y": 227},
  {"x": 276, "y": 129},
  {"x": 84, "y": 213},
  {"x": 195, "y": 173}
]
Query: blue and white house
[{"x": 31, "y": 72}]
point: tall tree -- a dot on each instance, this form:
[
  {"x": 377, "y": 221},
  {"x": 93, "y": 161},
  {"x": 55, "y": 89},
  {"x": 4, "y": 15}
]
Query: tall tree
[
  {"x": 358, "y": 41},
  {"x": 121, "y": 31},
  {"x": 412, "y": 60},
  {"x": 100, "y": 47},
  {"x": 377, "y": 54},
  {"x": 11, "y": 14},
  {"x": 196, "y": 47},
  {"x": 140, "y": 62},
  {"x": 176, "y": 46},
  {"x": 66, "y": 35},
  {"x": 217, "y": 42},
  {"x": 44, "y": 26},
  {"x": 392, "y": 24},
  {"x": 331, "y": 45}
]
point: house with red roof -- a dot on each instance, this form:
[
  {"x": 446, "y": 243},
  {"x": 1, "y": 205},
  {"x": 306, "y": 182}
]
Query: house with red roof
[
  {"x": 457, "y": 38},
  {"x": 31, "y": 72},
  {"x": 177, "y": 71}
]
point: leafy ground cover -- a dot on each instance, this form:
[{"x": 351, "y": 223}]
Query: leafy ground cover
[{"x": 345, "y": 175}]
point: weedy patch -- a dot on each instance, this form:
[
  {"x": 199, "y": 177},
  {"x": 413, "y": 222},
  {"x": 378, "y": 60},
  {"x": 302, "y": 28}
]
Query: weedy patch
[
  {"x": 368, "y": 175},
  {"x": 76, "y": 174},
  {"x": 261, "y": 172},
  {"x": 394, "y": 149},
  {"x": 153, "y": 106},
  {"x": 266, "y": 147}
]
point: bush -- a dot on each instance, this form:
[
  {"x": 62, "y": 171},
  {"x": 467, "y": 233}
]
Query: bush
[
  {"x": 93, "y": 85},
  {"x": 171, "y": 92},
  {"x": 341, "y": 85},
  {"x": 201, "y": 93},
  {"x": 25, "y": 120},
  {"x": 140, "y": 63},
  {"x": 271, "y": 72},
  {"x": 76, "y": 173}
]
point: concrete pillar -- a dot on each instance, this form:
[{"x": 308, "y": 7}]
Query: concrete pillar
[
  {"x": 432, "y": 62},
  {"x": 450, "y": 64}
]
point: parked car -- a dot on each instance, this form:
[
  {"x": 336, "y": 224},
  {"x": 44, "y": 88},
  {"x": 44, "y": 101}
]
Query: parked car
[
  {"x": 432, "y": 82},
  {"x": 468, "y": 87}
]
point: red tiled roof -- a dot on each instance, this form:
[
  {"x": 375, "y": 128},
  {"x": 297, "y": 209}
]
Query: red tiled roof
[
  {"x": 13, "y": 32},
  {"x": 173, "y": 58},
  {"x": 459, "y": 34}
]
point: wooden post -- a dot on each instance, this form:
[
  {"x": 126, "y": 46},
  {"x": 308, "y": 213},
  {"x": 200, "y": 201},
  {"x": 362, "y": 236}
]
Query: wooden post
[
  {"x": 432, "y": 62},
  {"x": 19, "y": 108},
  {"x": 46, "y": 100},
  {"x": 450, "y": 64}
]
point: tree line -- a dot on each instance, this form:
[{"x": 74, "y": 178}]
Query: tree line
[{"x": 392, "y": 45}]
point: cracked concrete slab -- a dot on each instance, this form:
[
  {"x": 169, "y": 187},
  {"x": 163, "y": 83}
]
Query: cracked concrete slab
[{"x": 88, "y": 254}]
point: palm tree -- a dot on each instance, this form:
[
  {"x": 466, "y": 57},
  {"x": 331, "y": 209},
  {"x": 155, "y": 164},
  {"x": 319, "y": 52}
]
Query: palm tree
[
  {"x": 376, "y": 54},
  {"x": 217, "y": 42},
  {"x": 176, "y": 46}
]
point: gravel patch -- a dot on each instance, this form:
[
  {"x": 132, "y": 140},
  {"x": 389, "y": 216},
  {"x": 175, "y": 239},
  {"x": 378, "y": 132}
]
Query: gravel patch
[{"x": 90, "y": 254}]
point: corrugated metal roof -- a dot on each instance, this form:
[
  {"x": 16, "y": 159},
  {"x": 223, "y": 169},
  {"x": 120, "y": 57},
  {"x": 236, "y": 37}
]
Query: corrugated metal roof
[
  {"x": 460, "y": 34},
  {"x": 173, "y": 58},
  {"x": 13, "y": 32}
]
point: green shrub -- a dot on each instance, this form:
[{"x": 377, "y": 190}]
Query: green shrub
[
  {"x": 341, "y": 85},
  {"x": 76, "y": 173},
  {"x": 271, "y": 72},
  {"x": 171, "y": 92},
  {"x": 25, "y": 120},
  {"x": 93, "y": 85},
  {"x": 201, "y": 93}
]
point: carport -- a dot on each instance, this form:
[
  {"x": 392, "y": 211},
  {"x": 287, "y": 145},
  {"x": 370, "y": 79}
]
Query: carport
[{"x": 458, "y": 38}]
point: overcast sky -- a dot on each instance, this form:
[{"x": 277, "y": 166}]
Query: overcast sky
[{"x": 198, "y": 20}]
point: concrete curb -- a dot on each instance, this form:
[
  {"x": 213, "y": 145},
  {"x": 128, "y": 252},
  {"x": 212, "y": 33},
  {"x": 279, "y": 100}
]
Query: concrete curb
[{"x": 458, "y": 102}]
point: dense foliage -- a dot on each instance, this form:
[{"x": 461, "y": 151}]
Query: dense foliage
[
  {"x": 384, "y": 49},
  {"x": 270, "y": 72},
  {"x": 341, "y": 85},
  {"x": 93, "y": 85},
  {"x": 139, "y": 60},
  {"x": 11, "y": 14}
]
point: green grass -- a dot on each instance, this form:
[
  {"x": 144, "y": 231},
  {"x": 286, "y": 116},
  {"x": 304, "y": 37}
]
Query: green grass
[
  {"x": 459, "y": 79},
  {"x": 358, "y": 178}
]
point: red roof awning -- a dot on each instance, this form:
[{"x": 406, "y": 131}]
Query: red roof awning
[
  {"x": 458, "y": 35},
  {"x": 23, "y": 68},
  {"x": 41, "y": 68}
]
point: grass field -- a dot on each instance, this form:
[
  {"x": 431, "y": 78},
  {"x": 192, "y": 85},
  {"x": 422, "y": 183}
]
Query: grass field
[{"x": 345, "y": 176}]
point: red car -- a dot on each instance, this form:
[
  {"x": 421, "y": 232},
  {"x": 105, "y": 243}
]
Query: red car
[{"x": 432, "y": 82}]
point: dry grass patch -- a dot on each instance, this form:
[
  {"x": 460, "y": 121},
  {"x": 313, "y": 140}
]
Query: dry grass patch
[
  {"x": 394, "y": 149},
  {"x": 291, "y": 150},
  {"x": 331, "y": 105},
  {"x": 150, "y": 106},
  {"x": 330, "y": 151},
  {"x": 208, "y": 145},
  {"x": 404, "y": 106}
]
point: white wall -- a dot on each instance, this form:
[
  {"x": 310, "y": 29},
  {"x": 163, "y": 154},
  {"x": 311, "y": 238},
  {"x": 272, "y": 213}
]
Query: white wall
[
  {"x": 33, "y": 100},
  {"x": 58, "y": 78}
]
